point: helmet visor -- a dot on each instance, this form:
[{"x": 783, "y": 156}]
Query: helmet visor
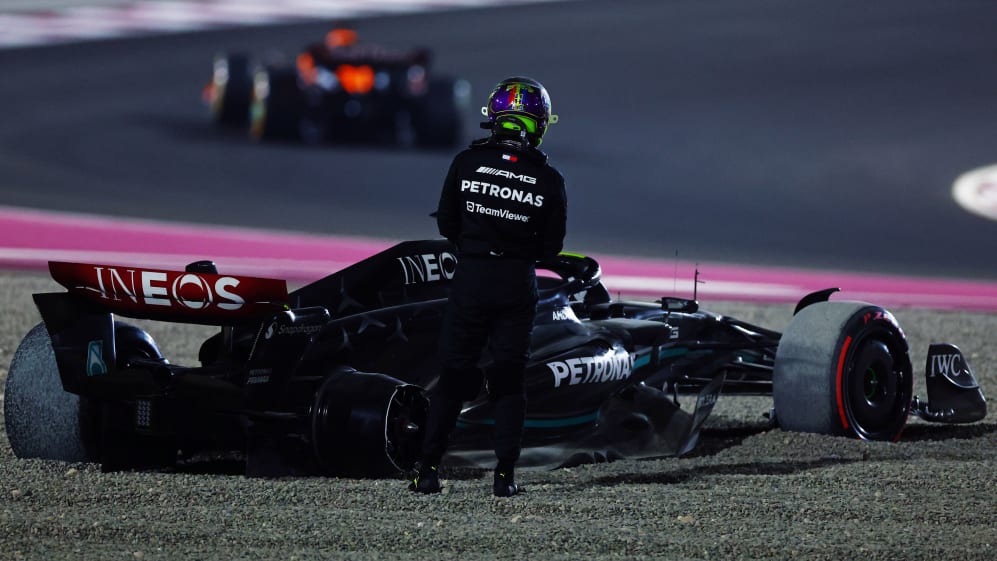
[{"x": 517, "y": 123}]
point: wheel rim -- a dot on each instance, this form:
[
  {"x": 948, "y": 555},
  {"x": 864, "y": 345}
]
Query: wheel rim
[
  {"x": 367, "y": 424},
  {"x": 873, "y": 387},
  {"x": 877, "y": 387},
  {"x": 404, "y": 428}
]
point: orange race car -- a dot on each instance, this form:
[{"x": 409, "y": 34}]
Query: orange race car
[{"x": 340, "y": 90}]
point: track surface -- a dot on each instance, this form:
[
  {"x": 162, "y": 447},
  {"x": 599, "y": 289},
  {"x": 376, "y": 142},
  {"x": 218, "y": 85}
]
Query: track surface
[
  {"x": 775, "y": 132},
  {"x": 747, "y": 493}
]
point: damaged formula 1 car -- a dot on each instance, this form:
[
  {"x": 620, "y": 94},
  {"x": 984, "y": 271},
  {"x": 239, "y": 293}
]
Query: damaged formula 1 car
[{"x": 330, "y": 378}]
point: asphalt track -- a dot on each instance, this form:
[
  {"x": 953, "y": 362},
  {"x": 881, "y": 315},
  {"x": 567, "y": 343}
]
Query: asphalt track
[{"x": 791, "y": 133}]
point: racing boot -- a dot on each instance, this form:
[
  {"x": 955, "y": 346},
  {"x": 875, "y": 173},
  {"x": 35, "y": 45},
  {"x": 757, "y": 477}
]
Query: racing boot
[
  {"x": 426, "y": 482},
  {"x": 505, "y": 484}
]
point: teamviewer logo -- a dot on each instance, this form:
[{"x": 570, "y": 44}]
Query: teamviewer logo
[{"x": 471, "y": 206}]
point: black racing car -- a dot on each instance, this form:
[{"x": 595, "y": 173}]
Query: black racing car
[
  {"x": 340, "y": 90},
  {"x": 330, "y": 378}
]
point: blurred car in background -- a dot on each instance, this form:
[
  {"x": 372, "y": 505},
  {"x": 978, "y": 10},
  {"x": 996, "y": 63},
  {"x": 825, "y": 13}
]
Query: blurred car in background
[{"x": 340, "y": 90}]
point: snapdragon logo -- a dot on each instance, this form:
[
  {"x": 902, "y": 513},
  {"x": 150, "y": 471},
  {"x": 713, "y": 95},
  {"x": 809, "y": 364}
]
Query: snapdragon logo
[
  {"x": 503, "y": 173},
  {"x": 505, "y": 193},
  {"x": 276, "y": 329},
  {"x": 612, "y": 366},
  {"x": 496, "y": 212}
]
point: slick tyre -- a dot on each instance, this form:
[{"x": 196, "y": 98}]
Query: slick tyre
[
  {"x": 843, "y": 368},
  {"x": 42, "y": 419},
  {"x": 232, "y": 90},
  {"x": 277, "y": 104}
]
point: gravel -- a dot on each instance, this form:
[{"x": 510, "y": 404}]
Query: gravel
[{"x": 747, "y": 492}]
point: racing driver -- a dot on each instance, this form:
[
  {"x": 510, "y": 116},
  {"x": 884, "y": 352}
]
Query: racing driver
[{"x": 504, "y": 206}]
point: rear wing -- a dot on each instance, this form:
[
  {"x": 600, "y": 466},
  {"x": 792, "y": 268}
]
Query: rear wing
[{"x": 191, "y": 296}]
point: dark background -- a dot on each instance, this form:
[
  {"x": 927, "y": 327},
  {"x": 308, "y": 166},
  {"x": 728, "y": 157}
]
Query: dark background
[{"x": 803, "y": 133}]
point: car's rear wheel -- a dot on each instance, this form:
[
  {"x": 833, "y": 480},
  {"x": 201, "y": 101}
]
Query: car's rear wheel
[
  {"x": 42, "y": 419},
  {"x": 367, "y": 425},
  {"x": 843, "y": 368},
  {"x": 231, "y": 90},
  {"x": 277, "y": 104},
  {"x": 45, "y": 421}
]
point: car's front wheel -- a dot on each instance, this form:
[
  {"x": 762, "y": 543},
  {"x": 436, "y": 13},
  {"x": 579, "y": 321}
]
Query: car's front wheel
[{"x": 843, "y": 368}]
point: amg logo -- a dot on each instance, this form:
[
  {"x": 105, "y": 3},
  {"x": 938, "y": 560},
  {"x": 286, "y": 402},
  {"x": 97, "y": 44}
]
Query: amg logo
[
  {"x": 615, "y": 365},
  {"x": 428, "y": 267},
  {"x": 946, "y": 365},
  {"x": 509, "y": 174}
]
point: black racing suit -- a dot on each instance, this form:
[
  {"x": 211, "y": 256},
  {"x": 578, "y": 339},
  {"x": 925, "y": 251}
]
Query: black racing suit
[{"x": 504, "y": 207}]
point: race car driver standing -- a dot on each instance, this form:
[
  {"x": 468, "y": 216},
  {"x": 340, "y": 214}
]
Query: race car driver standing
[{"x": 504, "y": 206}]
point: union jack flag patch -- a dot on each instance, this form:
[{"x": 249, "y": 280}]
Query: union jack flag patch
[{"x": 510, "y": 158}]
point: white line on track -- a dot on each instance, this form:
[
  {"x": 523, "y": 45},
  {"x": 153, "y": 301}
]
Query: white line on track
[{"x": 976, "y": 191}]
